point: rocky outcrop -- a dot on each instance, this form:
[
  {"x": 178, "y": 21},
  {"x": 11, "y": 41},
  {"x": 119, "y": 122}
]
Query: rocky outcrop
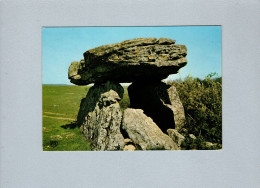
[
  {"x": 160, "y": 102},
  {"x": 144, "y": 132},
  {"x": 89, "y": 102},
  {"x": 129, "y": 61},
  {"x": 102, "y": 126}
]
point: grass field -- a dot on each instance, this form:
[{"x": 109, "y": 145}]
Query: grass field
[{"x": 60, "y": 109}]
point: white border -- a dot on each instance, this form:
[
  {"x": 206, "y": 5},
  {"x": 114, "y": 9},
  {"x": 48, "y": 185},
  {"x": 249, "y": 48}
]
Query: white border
[{"x": 24, "y": 164}]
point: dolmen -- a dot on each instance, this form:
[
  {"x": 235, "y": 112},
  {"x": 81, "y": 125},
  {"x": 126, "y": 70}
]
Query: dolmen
[{"x": 156, "y": 113}]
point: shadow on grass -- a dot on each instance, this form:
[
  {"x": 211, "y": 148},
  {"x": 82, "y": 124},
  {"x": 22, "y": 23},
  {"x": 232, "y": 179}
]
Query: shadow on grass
[{"x": 71, "y": 125}]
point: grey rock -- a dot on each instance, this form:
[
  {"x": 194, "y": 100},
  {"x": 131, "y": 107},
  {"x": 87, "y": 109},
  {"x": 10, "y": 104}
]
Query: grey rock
[
  {"x": 145, "y": 134},
  {"x": 160, "y": 102},
  {"x": 176, "y": 136},
  {"x": 102, "y": 126},
  {"x": 89, "y": 102},
  {"x": 192, "y": 136},
  {"x": 74, "y": 68},
  {"x": 56, "y": 137},
  {"x": 129, "y": 145},
  {"x": 129, "y": 61},
  {"x": 177, "y": 108},
  {"x": 210, "y": 145}
]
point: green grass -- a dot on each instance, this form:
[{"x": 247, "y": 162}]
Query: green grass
[{"x": 60, "y": 109}]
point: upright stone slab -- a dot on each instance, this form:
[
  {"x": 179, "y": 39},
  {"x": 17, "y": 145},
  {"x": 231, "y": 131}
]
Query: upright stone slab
[
  {"x": 89, "y": 102},
  {"x": 129, "y": 61},
  {"x": 144, "y": 132},
  {"x": 102, "y": 126},
  {"x": 160, "y": 102},
  {"x": 177, "y": 107}
]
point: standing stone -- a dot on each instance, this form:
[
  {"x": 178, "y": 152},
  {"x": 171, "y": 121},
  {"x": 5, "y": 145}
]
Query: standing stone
[
  {"x": 144, "y": 132},
  {"x": 129, "y": 61},
  {"x": 160, "y": 102},
  {"x": 102, "y": 125},
  {"x": 177, "y": 108},
  {"x": 89, "y": 102}
]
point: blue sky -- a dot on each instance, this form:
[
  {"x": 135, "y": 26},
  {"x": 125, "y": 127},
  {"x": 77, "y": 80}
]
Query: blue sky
[{"x": 62, "y": 45}]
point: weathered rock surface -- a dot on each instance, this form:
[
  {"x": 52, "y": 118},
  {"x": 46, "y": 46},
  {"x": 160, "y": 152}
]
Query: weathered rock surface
[
  {"x": 89, "y": 102},
  {"x": 102, "y": 125},
  {"x": 177, "y": 108},
  {"x": 144, "y": 132},
  {"x": 160, "y": 102},
  {"x": 129, "y": 61},
  {"x": 176, "y": 136},
  {"x": 129, "y": 145}
]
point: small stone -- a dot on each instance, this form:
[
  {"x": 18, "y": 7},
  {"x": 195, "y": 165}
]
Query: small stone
[
  {"x": 210, "y": 144},
  {"x": 192, "y": 136},
  {"x": 129, "y": 148},
  {"x": 184, "y": 130},
  {"x": 176, "y": 136},
  {"x": 68, "y": 135},
  {"x": 56, "y": 137}
]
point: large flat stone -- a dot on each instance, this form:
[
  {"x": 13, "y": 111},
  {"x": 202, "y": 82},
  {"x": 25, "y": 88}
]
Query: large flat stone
[{"x": 129, "y": 61}]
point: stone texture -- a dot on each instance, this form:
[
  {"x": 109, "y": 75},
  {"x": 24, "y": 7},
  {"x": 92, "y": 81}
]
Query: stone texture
[
  {"x": 102, "y": 126},
  {"x": 56, "y": 137},
  {"x": 145, "y": 134},
  {"x": 177, "y": 107},
  {"x": 160, "y": 102},
  {"x": 192, "y": 136},
  {"x": 210, "y": 145},
  {"x": 89, "y": 102},
  {"x": 129, "y": 147},
  {"x": 176, "y": 136},
  {"x": 129, "y": 61}
]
